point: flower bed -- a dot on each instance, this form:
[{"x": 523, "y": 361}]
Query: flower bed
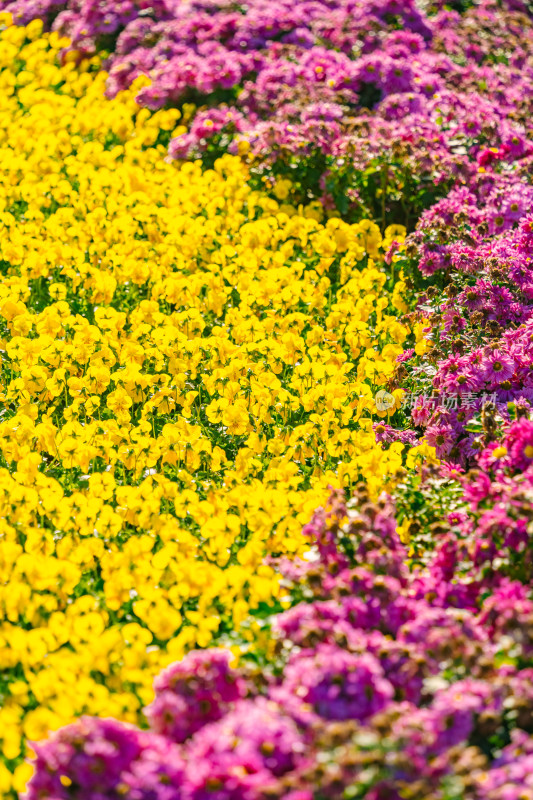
[
  {"x": 212, "y": 320},
  {"x": 376, "y": 107},
  {"x": 179, "y": 388},
  {"x": 382, "y": 682}
]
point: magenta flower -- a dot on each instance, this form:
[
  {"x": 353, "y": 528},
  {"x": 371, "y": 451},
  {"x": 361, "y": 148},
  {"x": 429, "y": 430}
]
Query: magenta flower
[
  {"x": 441, "y": 437},
  {"x": 193, "y": 692},
  {"x": 519, "y": 443},
  {"x": 242, "y": 753},
  {"x": 498, "y": 367},
  {"x": 102, "y": 759},
  {"x": 334, "y": 684}
]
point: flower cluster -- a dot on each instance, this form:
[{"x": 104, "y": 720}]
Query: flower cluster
[
  {"x": 411, "y": 98},
  {"x": 207, "y": 320},
  {"x": 473, "y": 251},
  {"x": 384, "y": 682},
  {"x": 179, "y": 386}
]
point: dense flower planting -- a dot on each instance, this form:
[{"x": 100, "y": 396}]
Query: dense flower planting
[
  {"x": 482, "y": 332},
  {"x": 179, "y": 389},
  {"x": 388, "y": 681},
  {"x": 261, "y": 264},
  {"x": 373, "y": 106}
]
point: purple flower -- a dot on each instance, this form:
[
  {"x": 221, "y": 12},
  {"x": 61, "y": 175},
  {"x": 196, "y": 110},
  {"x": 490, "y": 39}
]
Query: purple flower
[
  {"x": 242, "y": 753},
  {"x": 441, "y": 437},
  {"x": 94, "y": 759},
  {"x": 519, "y": 444},
  {"x": 498, "y": 367},
  {"x": 197, "y": 690},
  {"x": 510, "y": 777},
  {"x": 334, "y": 684}
]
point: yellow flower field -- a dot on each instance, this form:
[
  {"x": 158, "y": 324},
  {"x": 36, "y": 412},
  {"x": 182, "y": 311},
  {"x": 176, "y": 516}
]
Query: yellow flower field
[{"x": 186, "y": 366}]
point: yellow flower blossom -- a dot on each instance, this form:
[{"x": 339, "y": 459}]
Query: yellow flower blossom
[{"x": 183, "y": 376}]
